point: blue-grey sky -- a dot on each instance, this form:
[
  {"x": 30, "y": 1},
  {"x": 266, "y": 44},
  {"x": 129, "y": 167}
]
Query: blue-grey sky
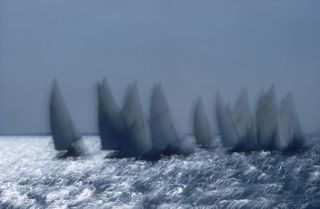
[{"x": 192, "y": 47}]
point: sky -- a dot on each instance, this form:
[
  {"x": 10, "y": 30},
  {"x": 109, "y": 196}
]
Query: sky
[{"x": 194, "y": 48}]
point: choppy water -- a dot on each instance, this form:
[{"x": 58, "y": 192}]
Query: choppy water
[{"x": 32, "y": 177}]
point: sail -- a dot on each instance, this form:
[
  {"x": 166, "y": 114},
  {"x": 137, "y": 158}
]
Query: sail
[
  {"x": 63, "y": 132},
  {"x": 109, "y": 118},
  {"x": 290, "y": 133},
  {"x": 267, "y": 120},
  {"x": 137, "y": 140},
  {"x": 227, "y": 128},
  {"x": 244, "y": 122},
  {"x": 163, "y": 132},
  {"x": 201, "y": 126}
]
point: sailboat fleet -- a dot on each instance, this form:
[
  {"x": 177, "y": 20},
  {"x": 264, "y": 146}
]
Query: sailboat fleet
[{"x": 127, "y": 131}]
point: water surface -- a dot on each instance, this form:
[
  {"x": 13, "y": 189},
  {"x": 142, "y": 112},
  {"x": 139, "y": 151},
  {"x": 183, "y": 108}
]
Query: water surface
[{"x": 32, "y": 177}]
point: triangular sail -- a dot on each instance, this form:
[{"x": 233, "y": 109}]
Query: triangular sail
[
  {"x": 131, "y": 103},
  {"x": 163, "y": 131},
  {"x": 267, "y": 120},
  {"x": 227, "y": 128},
  {"x": 244, "y": 122},
  {"x": 63, "y": 132},
  {"x": 138, "y": 140},
  {"x": 290, "y": 133},
  {"x": 202, "y": 131},
  {"x": 109, "y": 118}
]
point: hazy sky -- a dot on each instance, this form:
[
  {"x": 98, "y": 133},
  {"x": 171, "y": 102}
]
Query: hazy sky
[{"x": 192, "y": 47}]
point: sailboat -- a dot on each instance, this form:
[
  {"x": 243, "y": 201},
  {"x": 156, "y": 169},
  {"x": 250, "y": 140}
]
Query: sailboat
[
  {"x": 201, "y": 126},
  {"x": 267, "y": 119},
  {"x": 243, "y": 121},
  {"x": 136, "y": 134},
  {"x": 226, "y": 124},
  {"x": 109, "y": 118},
  {"x": 64, "y": 136},
  {"x": 163, "y": 132},
  {"x": 290, "y": 133}
]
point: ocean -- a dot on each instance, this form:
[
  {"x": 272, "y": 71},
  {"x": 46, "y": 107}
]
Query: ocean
[{"x": 31, "y": 176}]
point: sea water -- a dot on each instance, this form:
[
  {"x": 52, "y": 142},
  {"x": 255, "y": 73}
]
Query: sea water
[{"x": 31, "y": 176}]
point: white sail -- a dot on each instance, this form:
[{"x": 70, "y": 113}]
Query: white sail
[
  {"x": 163, "y": 132},
  {"x": 290, "y": 133},
  {"x": 63, "y": 132},
  {"x": 227, "y": 128},
  {"x": 138, "y": 140},
  {"x": 201, "y": 126},
  {"x": 244, "y": 122},
  {"x": 267, "y": 120},
  {"x": 241, "y": 114},
  {"x": 109, "y": 118}
]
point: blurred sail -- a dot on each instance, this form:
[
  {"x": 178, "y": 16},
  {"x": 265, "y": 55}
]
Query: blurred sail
[
  {"x": 244, "y": 122},
  {"x": 163, "y": 132},
  {"x": 290, "y": 133},
  {"x": 138, "y": 140},
  {"x": 202, "y": 131},
  {"x": 267, "y": 120},
  {"x": 227, "y": 128},
  {"x": 109, "y": 118},
  {"x": 63, "y": 132}
]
